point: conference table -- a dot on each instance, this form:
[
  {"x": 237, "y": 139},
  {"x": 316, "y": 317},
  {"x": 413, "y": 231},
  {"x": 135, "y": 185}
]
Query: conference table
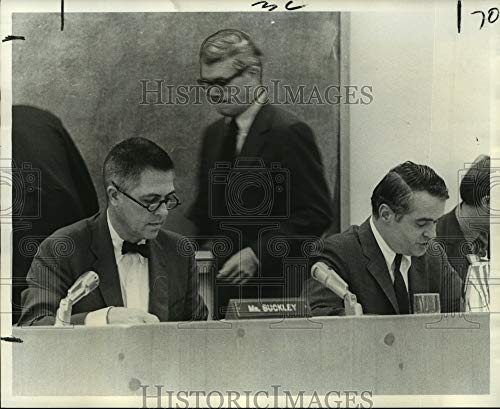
[{"x": 413, "y": 354}]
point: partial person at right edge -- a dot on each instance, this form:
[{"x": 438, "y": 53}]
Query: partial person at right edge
[
  {"x": 466, "y": 229},
  {"x": 390, "y": 257}
]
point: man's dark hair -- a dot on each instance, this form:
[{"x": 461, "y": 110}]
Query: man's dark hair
[
  {"x": 230, "y": 43},
  {"x": 475, "y": 185},
  {"x": 125, "y": 162},
  {"x": 397, "y": 187}
]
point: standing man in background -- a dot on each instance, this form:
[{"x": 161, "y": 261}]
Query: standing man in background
[{"x": 259, "y": 166}]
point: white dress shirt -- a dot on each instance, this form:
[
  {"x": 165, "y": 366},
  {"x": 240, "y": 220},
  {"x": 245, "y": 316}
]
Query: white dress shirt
[
  {"x": 133, "y": 270},
  {"x": 390, "y": 255}
]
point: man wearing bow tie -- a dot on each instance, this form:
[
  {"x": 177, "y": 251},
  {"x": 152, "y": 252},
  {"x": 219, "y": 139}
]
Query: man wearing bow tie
[{"x": 146, "y": 274}]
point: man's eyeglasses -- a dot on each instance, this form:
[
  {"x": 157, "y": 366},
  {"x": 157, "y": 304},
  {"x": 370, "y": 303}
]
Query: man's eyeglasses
[
  {"x": 221, "y": 82},
  {"x": 171, "y": 201}
]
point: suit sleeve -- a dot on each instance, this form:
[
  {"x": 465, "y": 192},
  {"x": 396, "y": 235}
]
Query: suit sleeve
[
  {"x": 48, "y": 282},
  {"x": 310, "y": 207},
  {"x": 310, "y": 204},
  {"x": 451, "y": 296},
  {"x": 194, "y": 307},
  {"x": 321, "y": 300},
  {"x": 198, "y": 212}
]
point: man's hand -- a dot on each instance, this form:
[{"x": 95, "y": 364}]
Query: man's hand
[
  {"x": 122, "y": 315},
  {"x": 240, "y": 267}
]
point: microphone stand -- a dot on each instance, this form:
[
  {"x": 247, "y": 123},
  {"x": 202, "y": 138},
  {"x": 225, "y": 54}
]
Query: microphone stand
[
  {"x": 63, "y": 315},
  {"x": 351, "y": 305},
  {"x": 84, "y": 285}
]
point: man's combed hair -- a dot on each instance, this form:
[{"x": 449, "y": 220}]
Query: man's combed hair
[
  {"x": 397, "y": 187},
  {"x": 230, "y": 43},
  {"x": 475, "y": 185},
  {"x": 125, "y": 162}
]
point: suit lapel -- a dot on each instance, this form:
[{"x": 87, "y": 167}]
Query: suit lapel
[
  {"x": 105, "y": 263},
  {"x": 165, "y": 287},
  {"x": 159, "y": 285},
  {"x": 256, "y": 140},
  {"x": 377, "y": 266},
  {"x": 418, "y": 280}
]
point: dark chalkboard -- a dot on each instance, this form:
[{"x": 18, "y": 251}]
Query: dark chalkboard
[{"x": 89, "y": 76}]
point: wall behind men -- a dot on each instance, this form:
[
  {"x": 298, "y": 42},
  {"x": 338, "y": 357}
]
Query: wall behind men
[
  {"x": 431, "y": 98},
  {"x": 88, "y": 75}
]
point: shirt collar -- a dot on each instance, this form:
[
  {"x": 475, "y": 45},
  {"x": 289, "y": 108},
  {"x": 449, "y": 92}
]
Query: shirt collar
[
  {"x": 387, "y": 251},
  {"x": 246, "y": 118},
  {"x": 115, "y": 237}
]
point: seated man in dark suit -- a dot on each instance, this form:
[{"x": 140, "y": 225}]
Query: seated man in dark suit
[
  {"x": 465, "y": 230},
  {"x": 390, "y": 257},
  {"x": 143, "y": 277}
]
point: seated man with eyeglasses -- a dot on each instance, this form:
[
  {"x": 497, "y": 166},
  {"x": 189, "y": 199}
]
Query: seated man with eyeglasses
[{"x": 146, "y": 274}]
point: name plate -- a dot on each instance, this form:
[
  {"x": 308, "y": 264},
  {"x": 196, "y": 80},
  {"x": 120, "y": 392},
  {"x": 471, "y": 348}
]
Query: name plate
[{"x": 267, "y": 308}]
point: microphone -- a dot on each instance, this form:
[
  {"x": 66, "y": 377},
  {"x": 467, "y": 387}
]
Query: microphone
[
  {"x": 329, "y": 278},
  {"x": 82, "y": 287}
]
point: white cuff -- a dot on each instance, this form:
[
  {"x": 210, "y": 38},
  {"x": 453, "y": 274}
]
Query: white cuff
[{"x": 97, "y": 318}]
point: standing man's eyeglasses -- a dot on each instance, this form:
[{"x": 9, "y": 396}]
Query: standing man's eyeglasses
[
  {"x": 171, "y": 201},
  {"x": 221, "y": 82}
]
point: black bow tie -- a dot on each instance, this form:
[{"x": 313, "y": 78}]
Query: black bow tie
[{"x": 142, "y": 249}]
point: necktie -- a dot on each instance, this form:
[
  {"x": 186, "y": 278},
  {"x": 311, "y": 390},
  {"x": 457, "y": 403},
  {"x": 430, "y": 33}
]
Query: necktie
[
  {"x": 142, "y": 249},
  {"x": 400, "y": 287},
  {"x": 229, "y": 150}
]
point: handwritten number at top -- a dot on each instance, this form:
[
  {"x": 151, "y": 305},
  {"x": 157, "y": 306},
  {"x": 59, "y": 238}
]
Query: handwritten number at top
[{"x": 491, "y": 16}]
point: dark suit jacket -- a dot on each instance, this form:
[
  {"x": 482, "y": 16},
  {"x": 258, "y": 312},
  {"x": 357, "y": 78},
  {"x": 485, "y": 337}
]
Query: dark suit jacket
[
  {"x": 86, "y": 245},
  {"x": 275, "y": 136},
  {"x": 63, "y": 190},
  {"x": 450, "y": 235},
  {"x": 357, "y": 258}
]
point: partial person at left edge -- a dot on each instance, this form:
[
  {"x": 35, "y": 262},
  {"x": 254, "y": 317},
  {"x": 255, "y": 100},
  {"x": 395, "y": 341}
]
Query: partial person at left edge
[
  {"x": 146, "y": 274},
  {"x": 52, "y": 188}
]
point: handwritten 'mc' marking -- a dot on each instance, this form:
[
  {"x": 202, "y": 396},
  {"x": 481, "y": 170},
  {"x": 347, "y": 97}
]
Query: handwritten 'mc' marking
[
  {"x": 271, "y": 7},
  {"x": 266, "y": 5},
  {"x": 288, "y": 6}
]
